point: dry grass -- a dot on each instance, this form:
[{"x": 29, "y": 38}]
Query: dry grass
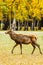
[{"x": 6, "y": 58}]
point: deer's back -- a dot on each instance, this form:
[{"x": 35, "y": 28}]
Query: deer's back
[{"x": 23, "y": 38}]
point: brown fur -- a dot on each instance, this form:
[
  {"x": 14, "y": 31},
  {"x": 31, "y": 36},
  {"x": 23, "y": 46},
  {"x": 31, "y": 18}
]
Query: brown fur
[{"x": 23, "y": 39}]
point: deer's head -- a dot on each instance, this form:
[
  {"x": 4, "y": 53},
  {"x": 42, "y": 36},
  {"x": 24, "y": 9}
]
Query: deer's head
[{"x": 9, "y": 32}]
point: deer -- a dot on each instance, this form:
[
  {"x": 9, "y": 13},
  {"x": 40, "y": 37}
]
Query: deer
[{"x": 23, "y": 39}]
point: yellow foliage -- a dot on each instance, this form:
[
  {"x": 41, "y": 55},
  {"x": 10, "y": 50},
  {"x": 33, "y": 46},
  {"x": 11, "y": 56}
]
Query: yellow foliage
[
  {"x": 1, "y": 15},
  {"x": 23, "y": 8}
]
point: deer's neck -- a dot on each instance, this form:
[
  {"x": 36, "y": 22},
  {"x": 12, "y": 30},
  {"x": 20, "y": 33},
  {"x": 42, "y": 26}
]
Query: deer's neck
[{"x": 13, "y": 36}]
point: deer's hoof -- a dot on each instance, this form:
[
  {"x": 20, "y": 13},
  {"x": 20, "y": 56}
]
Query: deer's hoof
[
  {"x": 12, "y": 52},
  {"x": 32, "y": 53},
  {"x": 41, "y": 53},
  {"x": 21, "y": 53}
]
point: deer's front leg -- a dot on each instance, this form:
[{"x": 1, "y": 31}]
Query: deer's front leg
[
  {"x": 21, "y": 47},
  {"x": 14, "y": 47}
]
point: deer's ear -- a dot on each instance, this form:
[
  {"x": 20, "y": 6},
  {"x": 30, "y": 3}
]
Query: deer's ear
[{"x": 11, "y": 29}]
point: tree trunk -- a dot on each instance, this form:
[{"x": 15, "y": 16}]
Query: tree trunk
[
  {"x": 10, "y": 24},
  {"x": 24, "y": 25},
  {"x": 32, "y": 26},
  {"x": 1, "y": 25},
  {"x": 37, "y": 25},
  {"x": 27, "y": 25},
  {"x": 18, "y": 25}
]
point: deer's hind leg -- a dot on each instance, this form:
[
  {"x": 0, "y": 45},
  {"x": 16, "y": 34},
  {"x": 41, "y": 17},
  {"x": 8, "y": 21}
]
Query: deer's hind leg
[
  {"x": 33, "y": 48},
  {"x": 38, "y": 47}
]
